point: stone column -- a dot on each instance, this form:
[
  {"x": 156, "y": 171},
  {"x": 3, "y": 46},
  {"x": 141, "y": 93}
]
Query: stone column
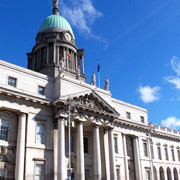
[
  {"x": 55, "y": 142},
  {"x": 112, "y": 155},
  {"x": 97, "y": 154},
  {"x": 137, "y": 158},
  {"x": 106, "y": 154},
  {"x": 165, "y": 174},
  {"x": 20, "y": 151},
  {"x": 80, "y": 152},
  {"x": 125, "y": 158},
  {"x": 172, "y": 174},
  {"x": 61, "y": 151}
]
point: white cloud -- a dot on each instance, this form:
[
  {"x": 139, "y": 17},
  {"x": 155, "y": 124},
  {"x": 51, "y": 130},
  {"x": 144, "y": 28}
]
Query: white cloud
[
  {"x": 81, "y": 14},
  {"x": 148, "y": 94},
  {"x": 175, "y": 63},
  {"x": 174, "y": 80},
  {"x": 171, "y": 122}
]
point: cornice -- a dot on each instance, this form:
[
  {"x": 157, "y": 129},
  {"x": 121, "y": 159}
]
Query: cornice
[
  {"x": 24, "y": 96},
  {"x": 145, "y": 127}
]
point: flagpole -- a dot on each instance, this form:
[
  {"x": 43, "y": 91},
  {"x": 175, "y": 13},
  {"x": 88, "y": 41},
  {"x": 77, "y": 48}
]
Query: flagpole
[
  {"x": 99, "y": 78},
  {"x": 98, "y": 70}
]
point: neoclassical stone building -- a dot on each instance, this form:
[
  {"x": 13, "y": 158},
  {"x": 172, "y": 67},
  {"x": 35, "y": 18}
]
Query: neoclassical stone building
[{"x": 53, "y": 124}]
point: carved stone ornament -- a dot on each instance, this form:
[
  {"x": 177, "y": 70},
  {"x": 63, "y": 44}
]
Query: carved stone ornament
[
  {"x": 3, "y": 149},
  {"x": 61, "y": 66},
  {"x": 91, "y": 103},
  {"x": 78, "y": 74}
]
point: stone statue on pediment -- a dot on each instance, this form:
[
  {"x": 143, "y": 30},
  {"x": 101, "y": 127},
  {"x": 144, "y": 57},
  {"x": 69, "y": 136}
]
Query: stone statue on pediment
[
  {"x": 93, "y": 79},
  {"x": 106, "y": 86}
]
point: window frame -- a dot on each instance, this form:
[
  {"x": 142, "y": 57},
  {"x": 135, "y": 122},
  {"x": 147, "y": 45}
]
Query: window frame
[
  {"x": 128, "y": 115},
  {"x": 145, "y": 144},
  {"x": 118, "y": 175},
  {"x": 43, "y": 88},
  {"x": 116, "y": 144},
  {"x": 166, "y": 153},
  {"x": 178, "y": 154},
  {"x": 172, "y": 154},
  {"x": 159, "y": 152},
  {"x": 41, "y": 163},
  {"x": 11, "y": 83},
  {"x": 142, "y": 119},
  {"x": 152, "y": 150},
  {"x": 148, "y": 174},
  {"x": 36, "y": 134}
]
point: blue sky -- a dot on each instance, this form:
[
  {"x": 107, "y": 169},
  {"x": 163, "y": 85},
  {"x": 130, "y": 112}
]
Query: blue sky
[{"x": 136, "y": 41}]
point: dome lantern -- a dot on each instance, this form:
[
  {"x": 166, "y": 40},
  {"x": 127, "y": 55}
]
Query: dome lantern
[{"x": 55, "y": 7}]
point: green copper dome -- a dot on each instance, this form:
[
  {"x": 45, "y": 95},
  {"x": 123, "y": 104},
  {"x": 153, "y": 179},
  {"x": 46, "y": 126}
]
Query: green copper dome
[{"x": 55, "y": 21}]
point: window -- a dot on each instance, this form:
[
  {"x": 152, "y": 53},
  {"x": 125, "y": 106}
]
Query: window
[
  {"x": 159, "y": 152},
  {"x": 128, "y": 115},
  {"x": 145, "y": 149},
  {"x": 172, "y": 152},
  {"x": 40, "y": 133},
  {"x": 86, "y": 174},
  {"x": 12, "y": 81},
  {"x": 115, "y": 144},
  {"x": 118, "y": 173},
  {"x": 86, "y": 145},
  {"x": 166, "y": 153},
  {"x": 41, "y": 90},
  {"x": 152, "y": 152},
  {"x": 39, "y": 172},
  {"x": 142, "y": 119},
  {"x": 178, "y": 152},
  {"x": 4, "y": 130},
  {"x": 147, "y": 174}
]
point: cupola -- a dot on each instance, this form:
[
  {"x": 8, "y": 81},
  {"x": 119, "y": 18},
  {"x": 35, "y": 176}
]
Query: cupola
[{"x": 55, "y": 42}]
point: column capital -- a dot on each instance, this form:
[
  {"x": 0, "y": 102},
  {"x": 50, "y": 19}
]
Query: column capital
[{"x": 22, "y": 114}]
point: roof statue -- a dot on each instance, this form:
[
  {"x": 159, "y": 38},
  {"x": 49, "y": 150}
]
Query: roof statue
[
  {"x": 106, "y": 86},
  {"x": 93, "y": 79},
  {"x": 55, "y": 7},
  {"x": 78, "y": 73},
  {"x": 61, "y": 65}
]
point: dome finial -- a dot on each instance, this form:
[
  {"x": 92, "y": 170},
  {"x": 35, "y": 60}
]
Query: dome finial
[{"x": 55, "y": 7}]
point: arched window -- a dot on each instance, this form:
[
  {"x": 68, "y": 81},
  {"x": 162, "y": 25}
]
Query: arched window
[
  {"x": 155, "y": 173},
  {"x": 161, "y": 173},
  {"x": 175, "y": 174},
  {"x": 169, "y": 177}
]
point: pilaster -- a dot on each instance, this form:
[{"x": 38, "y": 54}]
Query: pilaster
[
  {"x": 80, "y": 152},
  {"x": 61, "y": 150},
  {"x": 20, "y": 152},
  {"x": 112, "y": 155},
  {"x": 97, "y": 154}
]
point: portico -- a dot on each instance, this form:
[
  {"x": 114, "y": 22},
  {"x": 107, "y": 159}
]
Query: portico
[{"x": 89, "y": 126}]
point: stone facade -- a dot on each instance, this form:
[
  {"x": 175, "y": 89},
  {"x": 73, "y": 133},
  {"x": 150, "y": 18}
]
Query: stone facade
[{"x": 109, "y": 139}]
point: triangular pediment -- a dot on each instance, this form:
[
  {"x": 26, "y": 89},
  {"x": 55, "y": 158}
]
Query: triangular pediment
[{"x": 92, "y": 102}]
